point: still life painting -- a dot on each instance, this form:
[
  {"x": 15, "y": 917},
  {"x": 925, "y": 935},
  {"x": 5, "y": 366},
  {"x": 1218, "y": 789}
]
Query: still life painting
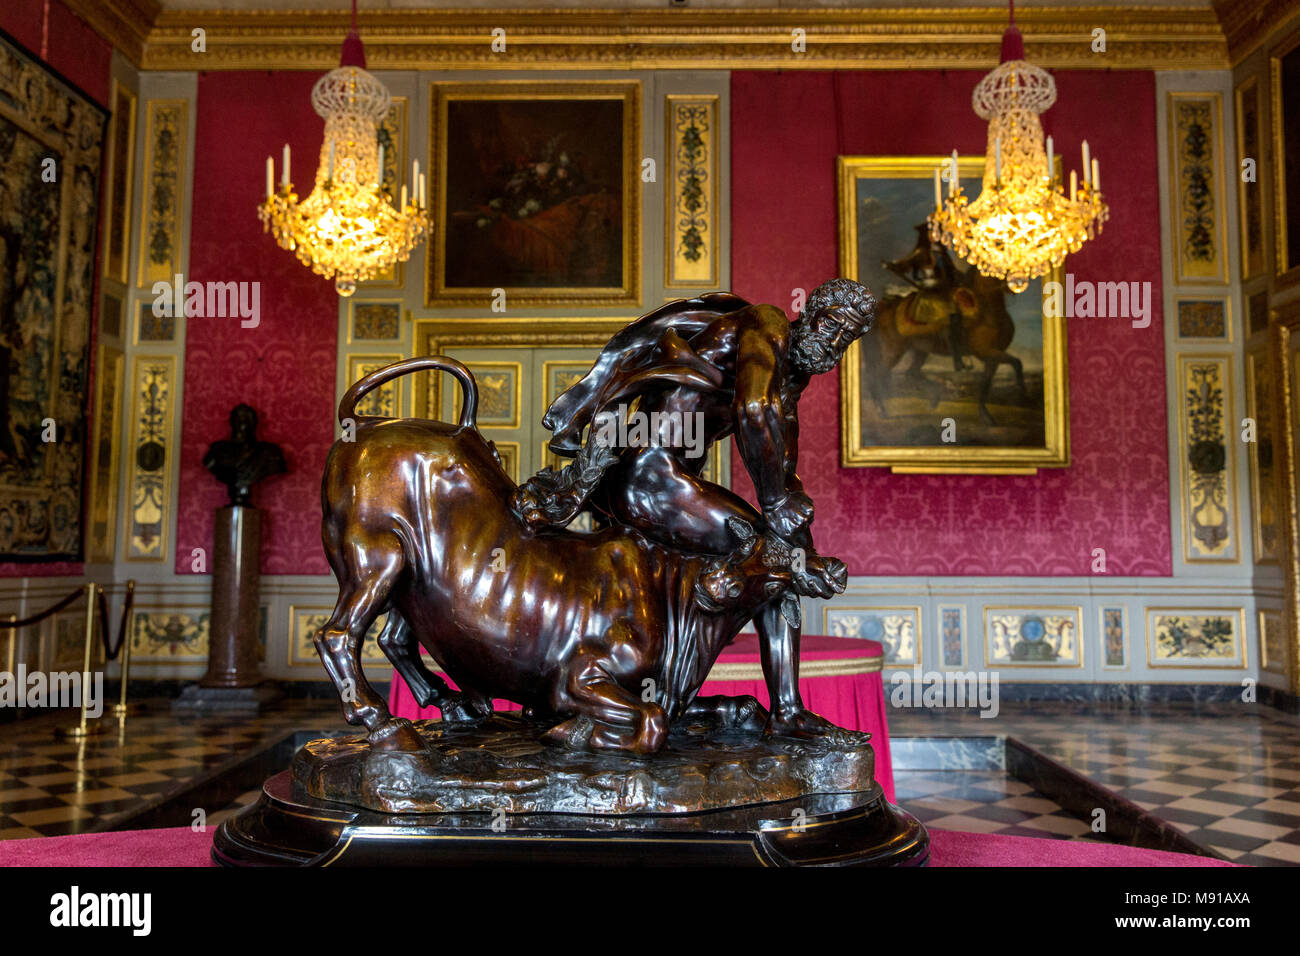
[{"x": 536, "y": 192}]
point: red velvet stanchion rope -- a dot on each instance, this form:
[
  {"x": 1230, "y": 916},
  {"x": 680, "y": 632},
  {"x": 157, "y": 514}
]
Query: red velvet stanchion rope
[{"x": 111, "y": 649}]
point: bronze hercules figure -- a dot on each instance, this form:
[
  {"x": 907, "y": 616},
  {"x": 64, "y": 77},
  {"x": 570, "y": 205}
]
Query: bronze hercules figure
[{"x": 607, "y": 636}]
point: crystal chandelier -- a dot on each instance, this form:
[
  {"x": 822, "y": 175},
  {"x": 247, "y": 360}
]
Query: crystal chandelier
[
  {"x": 347, "y": 229},
  {"x": 1023, "y": 223}
]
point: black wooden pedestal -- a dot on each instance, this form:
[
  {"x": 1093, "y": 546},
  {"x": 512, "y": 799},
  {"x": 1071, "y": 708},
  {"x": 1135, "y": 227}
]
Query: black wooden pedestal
[{"x": 287, "y": 828}]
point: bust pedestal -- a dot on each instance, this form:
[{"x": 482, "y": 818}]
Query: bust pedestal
[{"x": 233, "y": 681}]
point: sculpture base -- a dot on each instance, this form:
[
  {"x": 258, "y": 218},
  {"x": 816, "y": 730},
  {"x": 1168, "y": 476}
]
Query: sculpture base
[
  {"x": 501, "y": 764},
  {"x": 493, "y": 792},
  {"x": 288, "y": 828},
  {"x": 196, "y": 698}
]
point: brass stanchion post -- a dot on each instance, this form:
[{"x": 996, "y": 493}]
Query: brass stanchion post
[
  {"x": 12, "y": 656},
  {"x": 85, "y": 729},
  {"x": 122, "y": 708}
]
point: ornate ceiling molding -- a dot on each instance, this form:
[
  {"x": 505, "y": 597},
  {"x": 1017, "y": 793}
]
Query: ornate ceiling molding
[{"x": 1136, "y": 37}]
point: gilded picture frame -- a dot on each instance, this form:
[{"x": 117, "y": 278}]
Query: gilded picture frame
[
  {"x": 1284, "y": 78},
  {"x": 526, "y": 180},
  {"x": 1038, "y": 429}
]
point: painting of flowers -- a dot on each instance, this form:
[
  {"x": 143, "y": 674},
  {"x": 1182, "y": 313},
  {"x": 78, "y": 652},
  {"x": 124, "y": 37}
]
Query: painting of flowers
[{"x": 535, "y": 192}]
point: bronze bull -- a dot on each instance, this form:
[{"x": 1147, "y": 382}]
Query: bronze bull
[{"x": 606, "y": 635}]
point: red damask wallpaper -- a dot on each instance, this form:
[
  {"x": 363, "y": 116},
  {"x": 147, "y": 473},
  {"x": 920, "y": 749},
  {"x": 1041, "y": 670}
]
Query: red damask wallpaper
[
  {"x": 284, "y": 368},
  {"x": 71, "y": 46},
  {"x": 786, "y": 130}
]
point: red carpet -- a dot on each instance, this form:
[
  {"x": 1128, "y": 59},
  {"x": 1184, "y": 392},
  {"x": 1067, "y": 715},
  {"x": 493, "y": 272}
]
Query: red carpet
[{"x": 184, "y": 847}]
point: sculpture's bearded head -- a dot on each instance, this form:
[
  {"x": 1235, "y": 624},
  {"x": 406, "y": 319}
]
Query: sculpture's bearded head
[{"x": 835, "y": 315}]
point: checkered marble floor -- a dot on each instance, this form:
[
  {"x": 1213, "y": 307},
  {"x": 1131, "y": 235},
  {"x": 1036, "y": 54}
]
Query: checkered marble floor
[
  {"x": 986, "y": 801},
  {"x": 1226, "y": 775},
  {"x": 50, "y": 787}
]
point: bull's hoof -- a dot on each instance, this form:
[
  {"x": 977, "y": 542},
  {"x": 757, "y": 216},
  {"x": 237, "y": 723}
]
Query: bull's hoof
[
  {"x": 572, "y": 734},
  {"x": 460, "y": 708},
  {"x": 397, "y": 735},
  {"x": 749, "y": 715}
]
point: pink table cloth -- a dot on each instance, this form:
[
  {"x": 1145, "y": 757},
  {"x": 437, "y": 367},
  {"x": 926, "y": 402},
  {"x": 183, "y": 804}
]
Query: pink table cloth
[
  {"x": 839, "y": 678},
  {"x": 181, "y": 846}
]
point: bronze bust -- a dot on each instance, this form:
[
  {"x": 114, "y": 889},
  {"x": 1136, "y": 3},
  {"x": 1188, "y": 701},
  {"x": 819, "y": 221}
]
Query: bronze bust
[{"x": 241, "y": 461}]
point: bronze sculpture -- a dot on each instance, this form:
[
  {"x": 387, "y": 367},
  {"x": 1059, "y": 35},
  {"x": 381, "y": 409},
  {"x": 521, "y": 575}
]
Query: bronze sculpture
[{"x": 604, "y": 637}]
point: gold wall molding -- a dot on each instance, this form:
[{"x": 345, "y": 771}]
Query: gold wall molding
[
  {"x": 898, "y": 38},
  {"x": 1282, "y": 328}
]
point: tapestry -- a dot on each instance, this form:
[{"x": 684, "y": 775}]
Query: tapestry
[{"x": 51, "y": 138}]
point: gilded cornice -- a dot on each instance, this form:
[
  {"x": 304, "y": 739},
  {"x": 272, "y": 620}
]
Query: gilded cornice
[
  {"x": 1136, "y": 37},
  {"x": 1248, "y": 23}
]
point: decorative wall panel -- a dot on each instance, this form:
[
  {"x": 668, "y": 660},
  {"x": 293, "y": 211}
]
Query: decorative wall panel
[
  {"x": 304, "y": 622},
  {"x": 898, "y": 629},
  {"x": 1272, "y": 642},
  {"x": 384, "y": 401},
  {"x": 67, "y": 643},
  {"x": 952, "y": 630},
  {"x": 1250, "y": 198},
  {"x": 1114, "y": 637},
  {"x": 1196, "y": 177},
  {"x": 691, "y": 193},
  {"x": 392, "y": 136},
  {"x": 500, "y": 388},
  {"x": 172, "y": 634},
  {"x": 1263, "y": 477},
  {"x": 161, "y": 238},
  {"x": 1196, "y": 637},
  {"x": 155, "y": 327},
  {"x": 1203, "y": 319},
  {"x": 101, "y": 541},
  {"x": 151, "y": 454},
  {"x": 1032, "y": 637},
  {"x": 118, "y": 182},
  {"x": 1207, "y": 493},
  {"x": 376, "y": 321}
]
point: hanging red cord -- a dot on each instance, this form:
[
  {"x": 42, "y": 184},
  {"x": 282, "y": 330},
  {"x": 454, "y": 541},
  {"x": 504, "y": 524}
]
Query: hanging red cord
[
  {"x": 1013, "y": 44},
  {"x": 354, "y": 54}
]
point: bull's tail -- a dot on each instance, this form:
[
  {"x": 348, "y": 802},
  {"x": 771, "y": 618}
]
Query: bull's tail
[{"x": 432, "y": 363}]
